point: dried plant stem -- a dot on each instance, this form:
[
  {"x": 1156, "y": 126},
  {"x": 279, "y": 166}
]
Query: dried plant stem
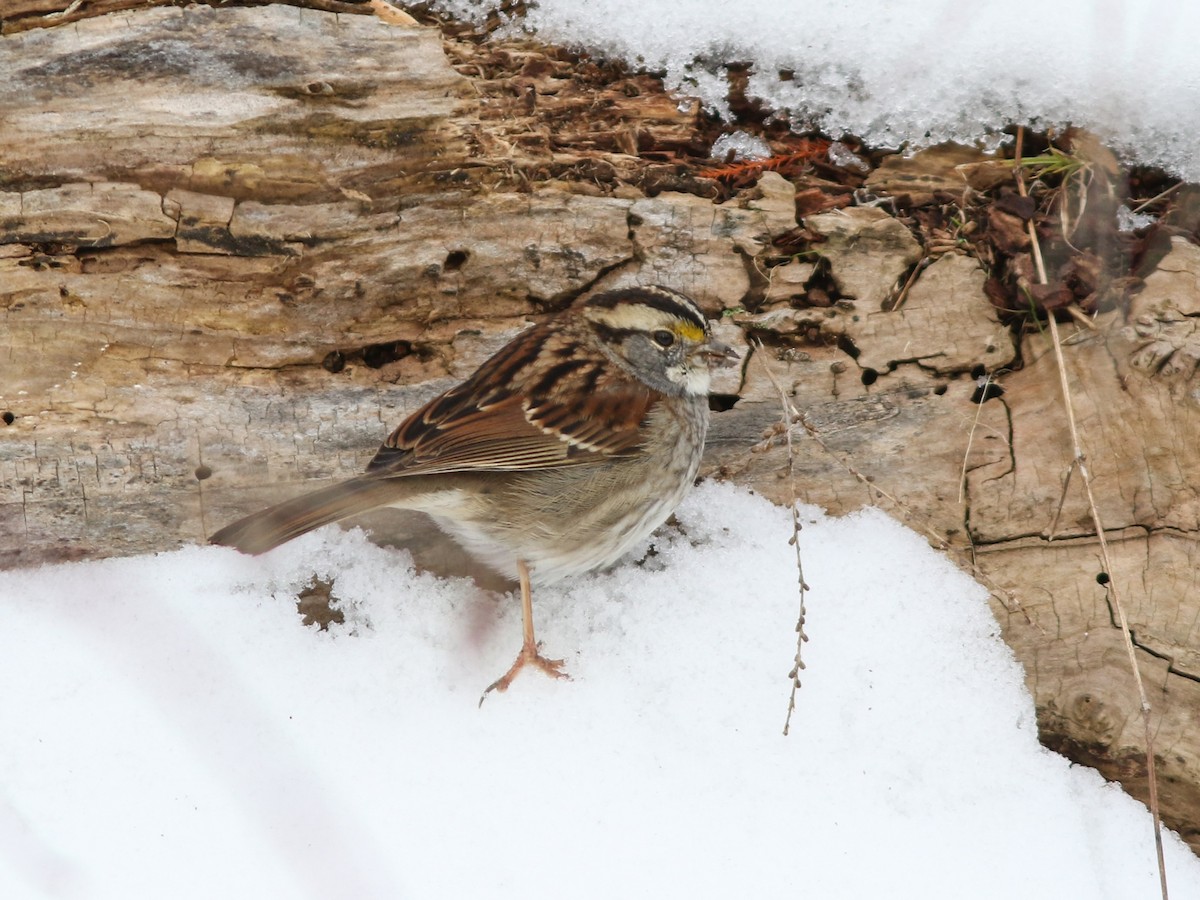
[
  {"x": 1079, "y": 463},
  {"x": 962, "y": 478},
  {"x": 909, "y": 282},
  {"x": 790, "y": 417},
  {"x": 63, "y": 13},
  {"x": 1167, "y": 193},
  {"x": 391, "y": 14}
]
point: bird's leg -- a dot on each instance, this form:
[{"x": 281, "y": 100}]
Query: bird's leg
[{"x": 529, "y": 648}]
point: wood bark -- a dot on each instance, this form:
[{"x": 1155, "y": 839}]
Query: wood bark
[{"x": 238, "y": 244}]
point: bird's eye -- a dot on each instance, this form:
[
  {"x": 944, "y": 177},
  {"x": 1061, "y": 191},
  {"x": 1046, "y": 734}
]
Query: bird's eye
[{"x": 663, "y": 338}]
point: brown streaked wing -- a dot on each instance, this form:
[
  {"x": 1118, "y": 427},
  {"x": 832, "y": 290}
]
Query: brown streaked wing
[
  {"x": 535, "y": 404},
  {"x": 606, "y": 417}
]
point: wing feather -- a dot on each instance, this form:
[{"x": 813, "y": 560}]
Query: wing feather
[{"x": 536, "y": 404}]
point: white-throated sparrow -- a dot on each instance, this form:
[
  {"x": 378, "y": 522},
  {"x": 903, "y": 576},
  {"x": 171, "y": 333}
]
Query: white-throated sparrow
[{"x": 561, "y": 452}]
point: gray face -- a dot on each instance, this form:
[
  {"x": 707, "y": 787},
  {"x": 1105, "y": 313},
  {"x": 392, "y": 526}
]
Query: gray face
[
  {"x": 678, "y": 367},
  {"x": 657, "y": 333}
]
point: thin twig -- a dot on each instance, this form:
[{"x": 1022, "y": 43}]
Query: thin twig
[
  {"x": 1111, "y": 587},
  {"x": 392, "y": 15},
  {"x": 1062, "y": 501},
  {"x": 915, "y": 521},
  {"x": 1081, "y": 317},
  {"x": 790, "y": 416},
  {"x": 1079, "y": 462},
  {"x": 908, "y": 283},
  {"x": 1162, "y": 196},
  {"x": 962, "y": 478},
  {"x": 63, "y": 13}
]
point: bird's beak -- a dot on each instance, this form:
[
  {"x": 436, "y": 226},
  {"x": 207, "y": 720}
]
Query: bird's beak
[{"x": 719, "y": 354}]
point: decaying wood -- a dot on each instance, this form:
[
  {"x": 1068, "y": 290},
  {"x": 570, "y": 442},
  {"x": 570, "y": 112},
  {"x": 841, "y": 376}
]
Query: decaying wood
[
  {"x": 237, "y": 245},
  {"x": 273, "y": 249}
]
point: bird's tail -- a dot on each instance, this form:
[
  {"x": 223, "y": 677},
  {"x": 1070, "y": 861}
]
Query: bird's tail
[{"x": 262, "y": 531}]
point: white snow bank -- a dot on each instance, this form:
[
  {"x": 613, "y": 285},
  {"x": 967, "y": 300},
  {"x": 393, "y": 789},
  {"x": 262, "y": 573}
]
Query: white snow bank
[{"x": 170, "y": 729}]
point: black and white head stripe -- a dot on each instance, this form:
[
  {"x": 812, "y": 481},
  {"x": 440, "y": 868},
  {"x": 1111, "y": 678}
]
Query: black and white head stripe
[{"x": 657, "y": 297}]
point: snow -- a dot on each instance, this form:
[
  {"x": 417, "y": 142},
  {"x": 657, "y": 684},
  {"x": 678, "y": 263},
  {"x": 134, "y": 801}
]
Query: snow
[
  {"x": 917, "y": 72},
  {"x": 738, "y": 145},
  {"x": 170, "y": 728},
  {"x": 1128, "y": 220}
]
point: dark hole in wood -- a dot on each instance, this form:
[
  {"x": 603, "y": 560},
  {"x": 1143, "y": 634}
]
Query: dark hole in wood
[{"x": 379, "y": 355}]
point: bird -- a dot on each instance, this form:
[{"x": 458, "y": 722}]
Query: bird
[{"x": 558, "y": 455}]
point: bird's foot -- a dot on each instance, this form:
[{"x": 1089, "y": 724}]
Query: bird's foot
[{"x": 529, "y": 656}]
